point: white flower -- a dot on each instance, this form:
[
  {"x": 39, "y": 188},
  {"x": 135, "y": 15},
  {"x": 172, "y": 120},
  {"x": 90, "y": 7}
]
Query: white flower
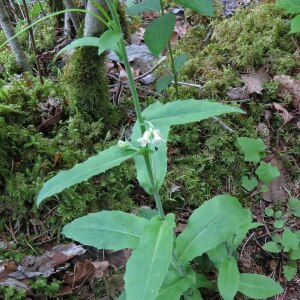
[
  {"x": 146, "y": 138},
  {"x": 157, "y": 137}
]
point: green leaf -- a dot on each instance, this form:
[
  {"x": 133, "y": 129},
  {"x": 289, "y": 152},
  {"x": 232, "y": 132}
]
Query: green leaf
[
  {"x": 253, "y": 149},
  {"x": 186, "y": 111},
  {"x": 179, "y": 61},
  {"x": 214, "y": 222},
  {"x": 174, "y": 290},
  {"x": 113, "y": 230},
  {"x": 109, "y": 40},
  {"x": 294, "y": 254},
  {"x": 85, "y": 41},
  {"x": 147, "y": 213},
  {"x": 145, "y": 6},
  {"x": 203, "y": 282},
  {"x": 266, "y": 172},
  {"x": 163, "y": 82},
  {"x": 279, "y": 223},
  {"x": 294, "y": 205},
  {"x": 159, "y": 158},
  {"x": 249, "y": 183},
  {"x": 290, "y": 270},
  {"x": 228, "y": 278},
  {"x": 204, "y": 7},
  {"x": 289, "y": 240},
  {"x": 174, "y": 285},
  {"x": 122, "y": 296},
  {"x": 149, "y": 262},
  {"x": 159, "y": 32},
  {"x": 97, "y": 164},
  {"x": 295, "y": 24},
  {"x": 272, "y": 247},
  {"x": 193, "y": 294},
  {"x": 269, "y": 212},
  {"x": 292, "y": 6},
  {"x": 278, "y": 214},
  {"x": 258, "y": 286}
]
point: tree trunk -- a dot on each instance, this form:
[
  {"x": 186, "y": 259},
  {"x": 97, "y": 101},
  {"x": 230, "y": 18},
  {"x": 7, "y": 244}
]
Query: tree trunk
[
  {"x": 87, "y": 84},
  {"x": 74, "y": 16},
  {"x": 9, "y": 32},
  {"x": 92, "y": 26}
]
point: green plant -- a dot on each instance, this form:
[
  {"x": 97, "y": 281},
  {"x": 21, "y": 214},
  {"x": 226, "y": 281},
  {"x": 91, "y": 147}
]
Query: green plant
[
  {"x": 161, "y": 30},
  {"x": 253, "y": 150},
  {"x": 293, "y": 7},
  {"x": 219, "y": 224},
  {"x": 288, "y": 242}
]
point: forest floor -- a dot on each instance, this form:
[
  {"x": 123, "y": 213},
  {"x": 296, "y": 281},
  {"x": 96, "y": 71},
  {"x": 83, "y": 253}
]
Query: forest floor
[{"x": 247, "y": 59}]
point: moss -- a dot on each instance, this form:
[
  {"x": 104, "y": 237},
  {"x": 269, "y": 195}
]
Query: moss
[
  {"x": 253, "y": 38},
  {"x": 87, "y": 86}
]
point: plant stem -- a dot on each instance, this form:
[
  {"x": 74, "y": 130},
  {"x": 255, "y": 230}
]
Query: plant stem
[
  {"x": 38, "y": 66},
  {"x": 171, "y": 56},
  {"x": 140, "y": 119},
  {"x": 138, "y": 111}
]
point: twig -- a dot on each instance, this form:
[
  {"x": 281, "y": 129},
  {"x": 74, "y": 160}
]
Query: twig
[
  {"x": 30, "y": 245},
  {"x": 151, "y": 70},
  {"x": 263, "y": 219},
  {"x": 223, "y": 124},
  {"x": 208, "y": 36},
  {"x": 246, "y": 242},
  {"x": 199, "y": 86}
]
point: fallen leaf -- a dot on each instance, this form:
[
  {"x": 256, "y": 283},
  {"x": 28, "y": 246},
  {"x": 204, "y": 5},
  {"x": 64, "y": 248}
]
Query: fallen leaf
[
  {"x": 238, "y": 93},
  {"x": 255, "y": 80},
  {"x": 287, "y": 84},
  {"x": 100, "y": 267},
  {"x": 118, "y": 258},
  {"x": 286, "y": 116},
  {"x": 82, "y": 271},
  {"x": 276, "y": 192}
]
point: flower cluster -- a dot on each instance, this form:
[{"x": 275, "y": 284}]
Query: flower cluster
[{"x": 151, "y": 136}]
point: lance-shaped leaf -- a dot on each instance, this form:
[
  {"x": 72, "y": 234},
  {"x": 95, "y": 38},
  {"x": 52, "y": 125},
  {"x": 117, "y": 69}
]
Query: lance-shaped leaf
[
  {"x": 149, "y": 262},
  {"x": 174, "y": 285},
  {"x": 258, "y": 286},
  {"x": 204, "y": 7},
  {"x": 158, "y": 158},
  {"x": 212, "y": 223},
  {"x": 144, "y": 6},
  {"x": 108, "y": 40},
  {"x": 186, "y": 111},
  {"x": 112, "y": 230},
  {"x": 97, "y": 164},
  {"x": 159, "y": 32},
  {"x": 228, "y": 278},
  {"x": 292, "y": 6}
]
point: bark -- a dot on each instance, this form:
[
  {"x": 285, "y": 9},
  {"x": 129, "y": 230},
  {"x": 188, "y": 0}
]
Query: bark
[
  {"x": 9, "y": 32},
  {"x": 73, "y": 16},
  {"x": 87, "y": 84},
  {"x": 92, "y": 26}
]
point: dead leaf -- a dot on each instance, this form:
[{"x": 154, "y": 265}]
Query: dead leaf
[
  {"x": 117, "y": 258},
  {"x": 82, "y": 271},
  {"x": 255, "y": 80},
  {"x": 238, "y": 93},
  {"x": 100, "y": 267},
  {"x": 287, "y": 84},
  {"x": 276, "y": 192},
  {"x": 286, "y": 116},
  {"x": 18, "y": 285}
]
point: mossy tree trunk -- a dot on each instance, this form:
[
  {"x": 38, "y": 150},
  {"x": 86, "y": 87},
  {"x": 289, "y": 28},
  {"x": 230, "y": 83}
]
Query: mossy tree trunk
[
  {"x": 87, "y": 85},
  {"x": 9, "y": 31}
]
